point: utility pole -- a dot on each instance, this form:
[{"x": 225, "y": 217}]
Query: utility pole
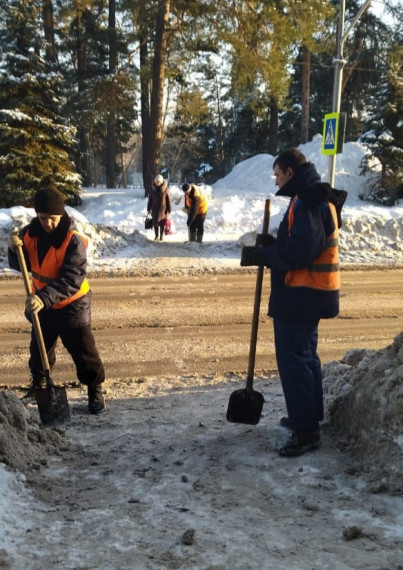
[{"x": 339, "y": 62}]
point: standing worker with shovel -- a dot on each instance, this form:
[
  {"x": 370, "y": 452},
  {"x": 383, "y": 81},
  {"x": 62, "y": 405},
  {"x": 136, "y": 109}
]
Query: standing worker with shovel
[
  {"x": 55, "y": 254},
  {"x": 305, "y": 283}
]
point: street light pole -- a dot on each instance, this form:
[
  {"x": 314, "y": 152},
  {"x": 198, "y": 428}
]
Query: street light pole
[{"x": 339, "y": 62}]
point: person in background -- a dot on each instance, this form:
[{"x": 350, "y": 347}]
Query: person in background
[
  {"x": 305, "y": 283},
  {"x": 159, "y": 205},
  {"x": 55, "y": 254},
  {"x": 196, "y": 208}
]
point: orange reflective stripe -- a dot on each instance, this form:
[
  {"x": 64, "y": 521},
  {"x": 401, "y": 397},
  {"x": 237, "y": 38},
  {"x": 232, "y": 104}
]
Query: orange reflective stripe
[
  {"x": 291, "y": 213},
  {"x": 85, "y": 287},
  {"x": 52, "y": 263},
  {"x": 324, "y": 272}
]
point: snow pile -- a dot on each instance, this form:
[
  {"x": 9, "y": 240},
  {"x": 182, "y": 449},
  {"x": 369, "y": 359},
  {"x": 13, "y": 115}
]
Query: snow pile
[
  {"x": 364, "y": 393},
  {"x": 24, "y": 444},
  {"x": 372, "y": 241}
]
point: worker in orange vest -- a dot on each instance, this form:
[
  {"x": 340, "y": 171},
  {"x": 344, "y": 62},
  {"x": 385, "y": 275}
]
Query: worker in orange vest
[
  {"x": 196, "y": 208},
  {"x": 305, "y": 283},
  {"x": 55, "y": 254}
]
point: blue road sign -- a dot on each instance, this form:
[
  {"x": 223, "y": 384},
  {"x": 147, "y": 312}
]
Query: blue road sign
[{"x": 330, "y": 133}]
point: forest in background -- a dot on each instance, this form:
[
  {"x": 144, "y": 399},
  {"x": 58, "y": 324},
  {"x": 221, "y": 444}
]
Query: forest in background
[{"x": 94, "y": 91}]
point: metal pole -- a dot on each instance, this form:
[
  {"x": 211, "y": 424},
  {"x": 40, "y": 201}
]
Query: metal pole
[
  {"x": 339, "y": 62},
  {"x": 338, "y": 76}
]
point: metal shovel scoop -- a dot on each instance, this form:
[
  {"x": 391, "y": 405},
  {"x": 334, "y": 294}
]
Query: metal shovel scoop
[
  {"x": 245, "y": 405},
  {"x": 52, "y": 401}
]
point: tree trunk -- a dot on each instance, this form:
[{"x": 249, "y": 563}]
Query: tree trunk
[
  {"x": 145, "y": 95},
  {"x": 220, "y": 134},
  {"x": 111, "y": 123},
  {"x": 273, "y": 127},
  {"x": 49, "y": 30},
  {"x": 110, "y": 168},
  {"x": 157, "y": 91},
  {"x": 124, "y": 172},
  {"x": 306, "y": 72},
  {"x": 83, "y": 163}
]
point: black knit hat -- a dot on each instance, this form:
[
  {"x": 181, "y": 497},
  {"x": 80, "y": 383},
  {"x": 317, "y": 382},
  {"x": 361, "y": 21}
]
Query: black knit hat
[
  {"x": 186, "y": 187},
  {"x": 49, "y": 201}
]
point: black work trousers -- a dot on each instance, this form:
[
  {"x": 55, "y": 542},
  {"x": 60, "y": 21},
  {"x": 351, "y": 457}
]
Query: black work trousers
[
  {"x": 196, "y": 228},
  {"x": 300, "y": 372},
  {"x": 80, "y": 344}
]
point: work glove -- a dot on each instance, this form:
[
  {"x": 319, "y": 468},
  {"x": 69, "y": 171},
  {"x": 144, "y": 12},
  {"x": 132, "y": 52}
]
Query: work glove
[
  {"x": 33, "y": 304},
  {"x": 249, "y": 256},
  {"x": 14, "y": 241},
  {"x": 265, "y": 240}
]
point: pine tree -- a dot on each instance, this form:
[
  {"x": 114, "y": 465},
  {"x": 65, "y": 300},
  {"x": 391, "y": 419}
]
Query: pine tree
[
  {"x": 384, "y": 133},
  {"x": 35, "y": 142}
]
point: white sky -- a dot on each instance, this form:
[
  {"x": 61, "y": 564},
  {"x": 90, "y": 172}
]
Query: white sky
[{"x": 378, "y": 8}]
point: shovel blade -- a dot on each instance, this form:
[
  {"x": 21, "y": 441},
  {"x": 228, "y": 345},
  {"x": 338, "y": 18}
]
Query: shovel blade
[
  {"x": 245, "y": 407},
  {"x": 53, "y": 406}
]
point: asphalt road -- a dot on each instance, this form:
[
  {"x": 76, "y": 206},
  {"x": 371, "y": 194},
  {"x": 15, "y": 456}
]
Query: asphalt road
[{"x": 189, "y": 325}]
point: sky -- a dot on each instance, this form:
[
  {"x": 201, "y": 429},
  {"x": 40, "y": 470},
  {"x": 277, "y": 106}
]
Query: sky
[
  {"x": 378, "y": 8},
  {"x": 114, "y": 221}
]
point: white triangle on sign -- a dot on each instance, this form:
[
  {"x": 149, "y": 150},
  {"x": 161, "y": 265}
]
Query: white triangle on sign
[{"x": 329, "y": 134}]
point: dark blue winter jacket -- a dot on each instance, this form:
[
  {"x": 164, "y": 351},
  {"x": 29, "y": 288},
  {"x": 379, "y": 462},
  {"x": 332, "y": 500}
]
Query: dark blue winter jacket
[
  {"x": 313, "y": 223},
  {"x": 72, "y": 274}
]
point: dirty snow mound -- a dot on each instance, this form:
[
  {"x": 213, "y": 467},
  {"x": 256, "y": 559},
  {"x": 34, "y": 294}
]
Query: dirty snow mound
[
  {"x": 365, "y": 401},
  {"x": 24, "y": 444}
]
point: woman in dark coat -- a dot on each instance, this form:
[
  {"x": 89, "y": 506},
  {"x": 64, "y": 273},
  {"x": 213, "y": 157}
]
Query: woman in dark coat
[{"x": 159, "y": 205}]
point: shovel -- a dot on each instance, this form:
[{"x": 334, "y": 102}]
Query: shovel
[
  {"x": 245, "y": 405},
  {"x": 52, "y": 401}
]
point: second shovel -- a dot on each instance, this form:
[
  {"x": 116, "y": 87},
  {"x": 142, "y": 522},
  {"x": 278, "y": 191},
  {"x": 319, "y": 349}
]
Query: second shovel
[{"x": 245, "y": 405}]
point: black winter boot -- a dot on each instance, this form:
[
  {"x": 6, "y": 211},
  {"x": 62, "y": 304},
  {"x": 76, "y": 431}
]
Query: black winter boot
[
  {"x": 96, "y": 402},
  {"x": 300, "y": 442},
  {"x": 192, "y": 236},
  {"x": 200, "y": 237}
]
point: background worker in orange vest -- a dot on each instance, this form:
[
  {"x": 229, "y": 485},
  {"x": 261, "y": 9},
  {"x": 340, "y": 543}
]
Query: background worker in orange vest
[
  {"x": 56, "y": 256},
  {"x": 196, "y": 207},
  {"x": 305, "y": 282}
]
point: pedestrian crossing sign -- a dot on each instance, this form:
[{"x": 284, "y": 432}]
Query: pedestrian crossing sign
[{"x": 331, "y": 130}]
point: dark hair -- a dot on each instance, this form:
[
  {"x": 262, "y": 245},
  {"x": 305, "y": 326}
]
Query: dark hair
[{"x": 290, "y": 158}]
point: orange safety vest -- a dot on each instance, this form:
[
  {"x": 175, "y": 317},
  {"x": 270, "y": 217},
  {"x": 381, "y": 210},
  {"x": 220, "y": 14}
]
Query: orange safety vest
[
  {"x": 49, "y": 270},
  {"x": 203, "y": 202},
  {"x": 324, "y": 272}
]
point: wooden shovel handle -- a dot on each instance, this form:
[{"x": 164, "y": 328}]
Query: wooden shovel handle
[
  {"x": 35, "y": 319},
  {"x": 256, "y": 307}
]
